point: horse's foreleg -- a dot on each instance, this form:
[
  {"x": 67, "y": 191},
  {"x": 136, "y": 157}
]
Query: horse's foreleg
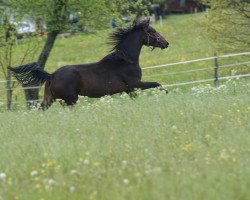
[
  {"x": 132, "y": 93},
  {"x": 145, "y": 85},
  {"x": 162, "y": 89}
]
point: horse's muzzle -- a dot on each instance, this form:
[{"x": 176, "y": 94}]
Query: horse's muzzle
[{"x": 164, "y": 45}]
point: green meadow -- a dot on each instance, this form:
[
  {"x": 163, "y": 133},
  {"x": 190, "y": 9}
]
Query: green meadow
[{"x": 190, "y": 144}]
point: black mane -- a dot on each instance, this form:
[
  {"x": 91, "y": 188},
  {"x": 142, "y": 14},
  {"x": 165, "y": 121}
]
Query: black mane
[{"x": 116, "y": 38}]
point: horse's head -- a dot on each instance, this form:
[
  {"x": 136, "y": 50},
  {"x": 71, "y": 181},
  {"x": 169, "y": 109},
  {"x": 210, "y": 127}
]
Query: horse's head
[{"x": 150, "y": 36}]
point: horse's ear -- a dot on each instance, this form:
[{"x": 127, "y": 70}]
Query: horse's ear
[{"x": 146, "y": 22}]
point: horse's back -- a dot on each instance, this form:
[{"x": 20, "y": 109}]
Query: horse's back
[{"x": 77, "y": 80}]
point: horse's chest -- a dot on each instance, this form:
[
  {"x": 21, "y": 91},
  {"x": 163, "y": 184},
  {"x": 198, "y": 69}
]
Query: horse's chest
[{"x": 133, "y": 73}]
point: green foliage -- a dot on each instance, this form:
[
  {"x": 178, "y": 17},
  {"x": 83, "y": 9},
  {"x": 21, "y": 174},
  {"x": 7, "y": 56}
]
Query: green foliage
[
  {"x": 55, "y": 13},
  {"x": 159, "y": 1},
  {"x": 185, "y": 146},
  {"x": 8, "y": 46},
  {"x": 228, "y": 23}
]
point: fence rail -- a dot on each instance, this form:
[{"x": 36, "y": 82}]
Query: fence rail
[
  {"x": 201, "y": 69},
  {"x": 207, "y": 80},
  {"x": 197, "y": 60},
  {"x": 23, "y": 88}
]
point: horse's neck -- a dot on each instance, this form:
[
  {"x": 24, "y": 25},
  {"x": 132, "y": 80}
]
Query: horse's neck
[{"x": 130, "y": 50}]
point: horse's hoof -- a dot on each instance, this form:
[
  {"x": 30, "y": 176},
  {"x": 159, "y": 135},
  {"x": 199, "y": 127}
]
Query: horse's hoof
[
  {"x": 166, "y": 91},
  {"x": 162, "y": 89},
  {"x": 133, "y": 95}
]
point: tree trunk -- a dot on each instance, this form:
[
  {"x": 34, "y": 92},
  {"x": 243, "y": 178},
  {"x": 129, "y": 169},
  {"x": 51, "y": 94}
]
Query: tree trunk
[
  {"x": 8, "y": 90},
  {"x": 47, "y": 48},
  {"x": 33, "y": 94},
  {"x": 58, "y": 15}
]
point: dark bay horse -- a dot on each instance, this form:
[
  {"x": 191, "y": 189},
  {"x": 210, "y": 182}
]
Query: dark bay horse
[{"x": 115, "y": 73}]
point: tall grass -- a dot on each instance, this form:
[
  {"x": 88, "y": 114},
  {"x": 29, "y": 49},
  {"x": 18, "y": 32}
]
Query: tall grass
[{"x": 185, "y": 145}]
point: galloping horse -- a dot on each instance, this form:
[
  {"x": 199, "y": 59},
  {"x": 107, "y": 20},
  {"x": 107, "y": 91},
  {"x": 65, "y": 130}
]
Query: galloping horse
[{"x": 115, "y": 73}]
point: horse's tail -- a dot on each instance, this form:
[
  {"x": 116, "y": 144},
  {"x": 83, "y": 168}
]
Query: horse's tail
[{"x": 30, "y": 74}]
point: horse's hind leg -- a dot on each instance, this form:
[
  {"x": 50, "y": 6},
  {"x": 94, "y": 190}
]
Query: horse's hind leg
[
  {"x": 48, "y": 98},
  {"x": 70, "y": 100},
  {"x": 46, "y": 104}
]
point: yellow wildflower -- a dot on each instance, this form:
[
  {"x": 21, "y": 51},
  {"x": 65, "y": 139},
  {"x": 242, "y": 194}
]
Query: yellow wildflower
[
  {"x": 97, "y": 163},
  {"x": 138, "y": 174},
  {"x": 50, "y": 163},
  {"x": 37, "y": 186},
  {"x": 188, "y": 147},
  {"x": 81, "y": 159}
]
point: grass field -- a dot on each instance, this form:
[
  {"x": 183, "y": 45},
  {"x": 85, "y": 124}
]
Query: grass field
[{"x": 188, "y": 145}]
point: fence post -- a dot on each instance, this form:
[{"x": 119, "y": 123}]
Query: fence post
[
  {"x": 216, "y": 70},
  {"x": 8, "y": 90},
  {"x": 161, "y": 23}
]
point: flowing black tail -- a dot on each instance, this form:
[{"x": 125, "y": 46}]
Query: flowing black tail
[{"x": 30, "y": 74}]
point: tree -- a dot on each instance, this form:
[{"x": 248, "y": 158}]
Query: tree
[
  {"x": 6, "y": 46},
  {"x": 7, "y": 49},
  {"x": 55, "y": 13},
  {"x": 140, "y": 7},
  {"x": 227, "y": 24}
]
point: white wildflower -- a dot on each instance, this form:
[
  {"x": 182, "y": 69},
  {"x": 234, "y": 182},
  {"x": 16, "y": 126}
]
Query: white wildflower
[
  {"x": 174, "y": 128},
  {"x": 126, "y": 181},
  {"x": 177, "y": 90},
  {"x": 34, "y": 173},
  {"x": 2, "y": 176},
  {"x": 233, "y": 72},
  {"x": 72, "y": 188},
  {"x": 86, "y": 162},
  {"x": 223, "y": 155},
  {"x": 51, "y": 182},
  {"x": 43, "y": 165},
  {"x": 124, "y": 162},
  {"x": 73, "y": 171}
]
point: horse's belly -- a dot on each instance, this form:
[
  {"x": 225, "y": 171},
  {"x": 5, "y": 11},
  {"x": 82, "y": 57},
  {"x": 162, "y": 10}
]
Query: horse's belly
[{"x": 102, "y": 89}]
